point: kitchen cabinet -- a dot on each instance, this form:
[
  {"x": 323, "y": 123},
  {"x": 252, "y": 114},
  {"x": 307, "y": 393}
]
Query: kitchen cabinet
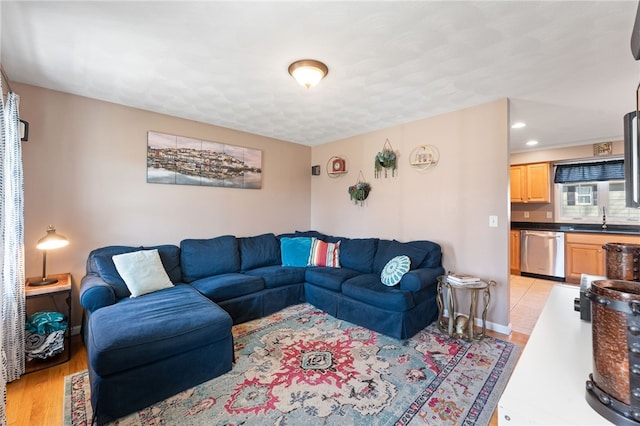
[
  {"x": 514, "y": 252},
  {"x": 530, "y": 183},
  {"x": 584, "y": 253}
]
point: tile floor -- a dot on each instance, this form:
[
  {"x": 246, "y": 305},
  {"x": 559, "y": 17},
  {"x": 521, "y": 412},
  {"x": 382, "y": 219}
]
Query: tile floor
[{"x": 527, "y": 298}]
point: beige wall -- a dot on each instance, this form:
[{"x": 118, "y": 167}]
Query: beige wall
[
  {"x": 539, "y": 212},
  {"x": 85, "y": 173},
  {"x": 449, "y": 204}
]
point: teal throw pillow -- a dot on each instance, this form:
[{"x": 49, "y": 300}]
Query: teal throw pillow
[
  {"x": 394, "y": 270},
  {"x": 295, "y": 251}
]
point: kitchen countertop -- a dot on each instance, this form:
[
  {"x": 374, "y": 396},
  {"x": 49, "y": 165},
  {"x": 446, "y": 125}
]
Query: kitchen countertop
[
  {"x": 577, "y": 227},
  {"x": 547, "y": 386}
]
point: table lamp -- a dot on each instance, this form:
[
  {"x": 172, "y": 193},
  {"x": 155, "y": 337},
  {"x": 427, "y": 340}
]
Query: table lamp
[{"x": 49, "y": 242}]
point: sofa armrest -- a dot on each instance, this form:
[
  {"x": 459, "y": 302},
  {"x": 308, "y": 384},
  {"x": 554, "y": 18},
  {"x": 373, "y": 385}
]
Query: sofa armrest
[
  {"x": 419, "y": 279},
  {"x": 95, "y": 293}
]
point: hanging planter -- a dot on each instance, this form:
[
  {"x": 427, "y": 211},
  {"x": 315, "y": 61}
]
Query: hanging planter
[
  {"x": 360, "y": 191},
  {"x": 386, "y": 159}
]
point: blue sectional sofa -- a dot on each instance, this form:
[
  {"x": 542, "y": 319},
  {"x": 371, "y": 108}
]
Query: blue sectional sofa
[{"x": 143, "y": 349}]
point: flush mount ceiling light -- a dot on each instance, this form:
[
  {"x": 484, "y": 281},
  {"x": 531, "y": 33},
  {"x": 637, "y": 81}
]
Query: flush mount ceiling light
[
  {"x": 532, "y": 143},
  {"x": 308, "y": 72},
  {"x": 518, "y": 125}
]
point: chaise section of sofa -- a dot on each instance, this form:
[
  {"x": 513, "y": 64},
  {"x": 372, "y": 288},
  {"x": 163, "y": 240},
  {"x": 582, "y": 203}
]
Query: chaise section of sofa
[
  {"x": 136, "y": 344},
  {"x": 141, "y": 353}
]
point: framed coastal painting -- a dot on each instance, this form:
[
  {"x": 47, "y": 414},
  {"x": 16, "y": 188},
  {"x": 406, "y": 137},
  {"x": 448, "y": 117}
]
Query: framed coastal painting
[{"x": 180, "y": 160}]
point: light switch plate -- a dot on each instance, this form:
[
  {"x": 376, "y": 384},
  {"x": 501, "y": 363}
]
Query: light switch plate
[
  {"x": 549, "y": 215},
  {"x": 493, "y": 221},
  {"x": 526, "y": 215}
]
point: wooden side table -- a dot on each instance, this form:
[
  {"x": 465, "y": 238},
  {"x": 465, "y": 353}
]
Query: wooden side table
[
  {"x": 51, "y": 291},
  {"x": 463, "y": 325}
]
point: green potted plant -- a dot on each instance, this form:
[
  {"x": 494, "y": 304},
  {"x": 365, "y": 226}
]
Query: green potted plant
[
  {"x": 386, "y": 159},
  {"x": 359, "y": 192}
]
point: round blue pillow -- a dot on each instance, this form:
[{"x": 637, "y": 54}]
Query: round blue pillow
[{"x": 394, "y": 270}]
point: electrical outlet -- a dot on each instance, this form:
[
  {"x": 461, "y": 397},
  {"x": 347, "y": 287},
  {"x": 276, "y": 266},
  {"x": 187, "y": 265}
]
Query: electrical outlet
[
  {"x": 549, "y": 215},
  {"x": 493, "y": 221},
  {"x": 526, "y": 215}
]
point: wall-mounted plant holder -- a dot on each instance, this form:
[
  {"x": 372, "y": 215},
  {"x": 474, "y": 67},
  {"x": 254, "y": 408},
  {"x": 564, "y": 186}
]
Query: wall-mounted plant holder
[
  {"x": 360, "y": 191},
  {"x": 386, "y": 159},
  {"x": 337, "y": 166},
  {"x": 424, "y": 157}
]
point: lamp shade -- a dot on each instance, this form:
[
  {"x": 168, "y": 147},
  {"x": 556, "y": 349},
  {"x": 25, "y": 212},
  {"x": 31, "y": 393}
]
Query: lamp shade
[
  {"x": 48, "y": 242},
  {"x": 52, "y": 240},
  {"x": 308, "y": 72}
]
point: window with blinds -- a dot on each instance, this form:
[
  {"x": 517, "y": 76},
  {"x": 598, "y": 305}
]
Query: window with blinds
[{"x": 582, "y": 190}]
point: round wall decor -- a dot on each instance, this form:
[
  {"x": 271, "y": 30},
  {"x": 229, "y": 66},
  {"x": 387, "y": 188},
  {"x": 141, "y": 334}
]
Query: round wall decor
[
  {"x": 337, "y": 166},
  {"x": 422, "y": 157}
]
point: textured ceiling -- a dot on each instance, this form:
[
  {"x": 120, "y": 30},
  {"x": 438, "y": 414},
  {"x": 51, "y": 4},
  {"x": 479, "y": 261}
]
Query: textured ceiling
[{"x": 566, "y": 66}]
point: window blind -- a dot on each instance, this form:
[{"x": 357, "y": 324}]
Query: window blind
[{"x": 589, "y": 172}]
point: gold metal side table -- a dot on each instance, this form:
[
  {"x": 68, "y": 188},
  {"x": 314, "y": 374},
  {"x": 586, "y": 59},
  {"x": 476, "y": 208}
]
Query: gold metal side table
[{"x": 461, "y": 325}]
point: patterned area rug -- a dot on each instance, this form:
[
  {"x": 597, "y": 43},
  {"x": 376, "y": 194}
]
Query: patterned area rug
[{"x": 301, "y": 366}]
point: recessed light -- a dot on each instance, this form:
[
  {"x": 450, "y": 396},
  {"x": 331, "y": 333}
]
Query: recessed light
[
  {"x": 518, "y": 125},
  {"x": 532, "y": 143}
]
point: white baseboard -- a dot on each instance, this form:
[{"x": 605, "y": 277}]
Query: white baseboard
[{"x": 498, "y": 328}]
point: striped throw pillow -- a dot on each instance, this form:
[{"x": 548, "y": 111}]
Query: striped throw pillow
[{"x": 324, "y": 254}]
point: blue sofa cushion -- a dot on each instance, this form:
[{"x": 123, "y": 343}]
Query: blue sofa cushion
[
  {"x": 329, "y": 278},
  {"x": 387, "y": 250},
  {"x": 102, "y": 260},
  {"x": 208, "y": 257},
  {"x": 433, "y": 258},
  {"x": 108, "y": 251},
  {"x": 140, "y": 331},
  {"x": 318, "y": 235},
  {"x": 295, "y": 251},
  {"x": 367, "y": 288},
  {"x": 258, "y": 251},
  {"x": 311, "y": 234},
  {"x": 227, "y": 286},
  {"x": 109, "y": 273},
  {"x": 278, "y": 276},
  {"x": 170, "y": 257},
  {"x": 358, "y": 254},
  {"x": 286, "y": 235}
]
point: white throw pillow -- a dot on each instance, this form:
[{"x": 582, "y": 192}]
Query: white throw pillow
[
  {"x": 142, "y": 271},
  {"x": 394, "y": 270}
]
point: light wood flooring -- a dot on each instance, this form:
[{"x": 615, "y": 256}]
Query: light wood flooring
[{"x": 36, "y": 398}]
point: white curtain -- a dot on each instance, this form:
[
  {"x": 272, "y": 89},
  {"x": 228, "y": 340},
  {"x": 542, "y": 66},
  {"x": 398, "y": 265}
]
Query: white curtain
[{"x": 11, "y": 248}]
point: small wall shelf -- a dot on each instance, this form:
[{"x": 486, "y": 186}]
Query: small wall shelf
[
  {"x": 337, "y": 166},
  {"x": 423, "y": 157}
]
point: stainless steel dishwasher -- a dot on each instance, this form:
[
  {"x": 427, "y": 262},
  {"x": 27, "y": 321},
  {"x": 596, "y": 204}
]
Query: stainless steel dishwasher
[{"x": 542, "y": 254}]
